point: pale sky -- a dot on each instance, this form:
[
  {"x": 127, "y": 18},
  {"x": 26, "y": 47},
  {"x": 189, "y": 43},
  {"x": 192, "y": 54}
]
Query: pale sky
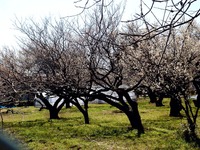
[{"x": 10, "y": 9}]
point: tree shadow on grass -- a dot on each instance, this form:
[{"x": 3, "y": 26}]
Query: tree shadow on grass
[{"x": 40, "y": 122}]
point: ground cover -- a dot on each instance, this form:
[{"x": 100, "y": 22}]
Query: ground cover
[{"x": 109, "y": 129}]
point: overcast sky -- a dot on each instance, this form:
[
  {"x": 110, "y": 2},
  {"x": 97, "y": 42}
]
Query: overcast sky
[{"x": 10, "y": 9}]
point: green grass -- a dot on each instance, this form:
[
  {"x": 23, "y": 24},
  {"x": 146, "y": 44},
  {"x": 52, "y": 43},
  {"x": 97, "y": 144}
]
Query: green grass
[{"x": 108, "y": 129}]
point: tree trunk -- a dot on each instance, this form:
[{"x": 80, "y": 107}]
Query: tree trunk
[
  {"x": 86, "y": 117},
  {"x": 84, "y": 110},
  {"x": 53, "y": 113},
  {"x": 175, "y": 107},
  {"x": 129, "y": 107},
  {"x": 159, "y": 101},
  {"x": 152, "y": 96},
  {"x": 67, "y": 104},
  {"x": 135, "y": 119}
]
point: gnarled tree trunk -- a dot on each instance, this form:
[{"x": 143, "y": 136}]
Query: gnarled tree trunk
[
  {"x": 53, "y": 113},
  {"x": 152, "y": 95},
  {"x": 134, "y": 118},
  {"x": 53, "y": 110},
  {"x": 83, "y": 110},
  {"x": 159, "y": 101},
  {"x": 128, "y": 106},
  {"x": 175, "y": 107}
]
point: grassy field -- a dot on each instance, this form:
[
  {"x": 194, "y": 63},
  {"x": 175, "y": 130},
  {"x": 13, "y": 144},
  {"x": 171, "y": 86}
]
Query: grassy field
[{"x": 108, "y": 129}]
